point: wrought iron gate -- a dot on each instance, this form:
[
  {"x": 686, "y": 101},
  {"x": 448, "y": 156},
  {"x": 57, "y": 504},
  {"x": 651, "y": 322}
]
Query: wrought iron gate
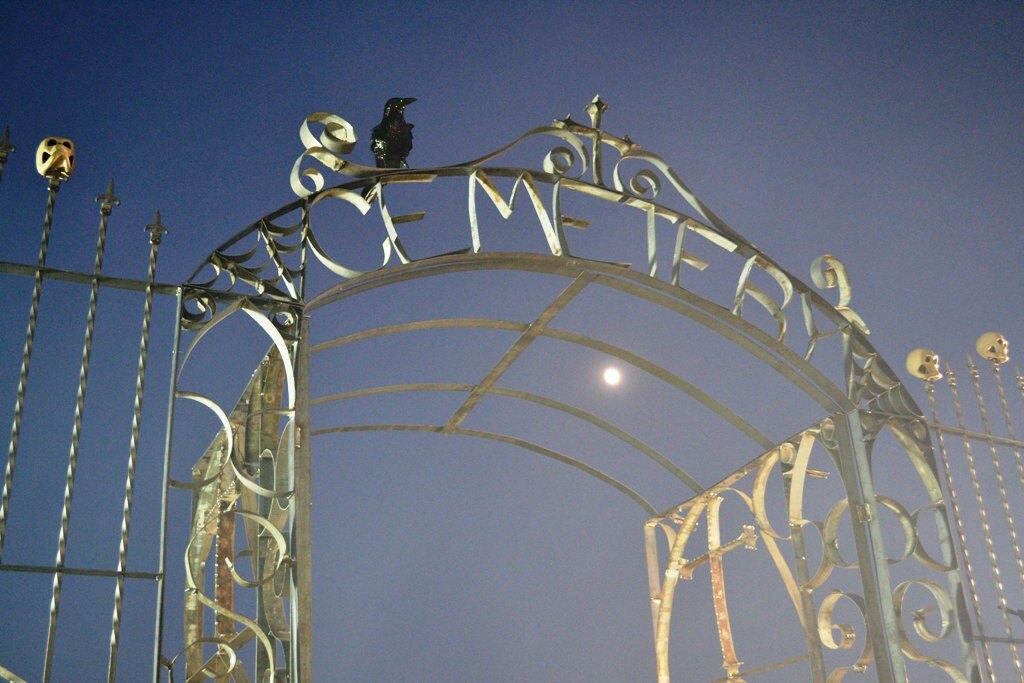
[{"x": 809, "y": 509}]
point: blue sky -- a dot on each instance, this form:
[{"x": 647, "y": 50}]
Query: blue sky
[{"x": 887, "y": 134}]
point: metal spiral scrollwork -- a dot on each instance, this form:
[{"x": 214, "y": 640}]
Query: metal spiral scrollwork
[
  {"x": 242, "y": 477},
  {"x": 828, "y": 272},
  {"x": 828, "y": 629},
  {"x": 337, "y": 137},
  {"x": 560, "y": 160},
  {"x": 199, "y": 307},
  {"x": 943, "y": 606},
  {"x": 813, "y": 587}
]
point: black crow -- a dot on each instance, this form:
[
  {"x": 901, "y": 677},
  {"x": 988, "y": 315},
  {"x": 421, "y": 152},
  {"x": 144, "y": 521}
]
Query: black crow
[{"x": 392, "y": 137}]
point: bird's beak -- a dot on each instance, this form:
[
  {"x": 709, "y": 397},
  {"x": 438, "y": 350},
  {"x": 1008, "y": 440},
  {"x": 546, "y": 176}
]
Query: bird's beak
[{"x": 408, "y": 100}]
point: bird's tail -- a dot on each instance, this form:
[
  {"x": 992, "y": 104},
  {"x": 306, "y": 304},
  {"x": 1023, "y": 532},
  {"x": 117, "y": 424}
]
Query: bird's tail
[{"x": 370, "y": 193}]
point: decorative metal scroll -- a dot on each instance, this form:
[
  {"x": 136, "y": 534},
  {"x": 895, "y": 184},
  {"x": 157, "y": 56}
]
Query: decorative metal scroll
[
  {"x": 221, "y": 497},
  {"x": 928, "y": 626},
  {"x": 269, "y": 258},
  {"x": 245, "y": 475}
]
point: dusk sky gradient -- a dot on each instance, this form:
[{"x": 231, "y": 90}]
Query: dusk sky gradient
[{"x": 888, "y": 134}]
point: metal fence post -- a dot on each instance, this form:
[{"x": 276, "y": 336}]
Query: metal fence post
[
  {"x": 854, "y": 466},
  {"x": 164, "y": 488},
  {"x": 301, "y": 538}
]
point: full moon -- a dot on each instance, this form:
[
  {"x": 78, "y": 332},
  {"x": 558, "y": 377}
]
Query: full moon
[{"x": 612, "y": 376}]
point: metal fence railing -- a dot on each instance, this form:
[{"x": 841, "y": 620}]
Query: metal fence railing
[{"x": 972, "y": 417}]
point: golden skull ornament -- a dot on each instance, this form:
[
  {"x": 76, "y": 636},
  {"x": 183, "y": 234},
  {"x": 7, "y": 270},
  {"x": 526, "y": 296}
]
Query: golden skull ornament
[
  {"x": 994, "y": 347},
  {"x": 924, "y": 364},
  {"x": 55, "y": 158}
]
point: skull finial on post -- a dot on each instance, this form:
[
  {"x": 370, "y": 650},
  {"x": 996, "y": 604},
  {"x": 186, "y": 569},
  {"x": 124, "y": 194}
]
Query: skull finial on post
[
  {"x": 55, "y": 159},
  {"x": 924, "y": 364},
  {"x": 993, "y": 346}
]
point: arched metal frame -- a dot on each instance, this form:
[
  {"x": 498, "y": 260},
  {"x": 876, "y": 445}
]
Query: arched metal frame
[{"x": 267, "y": 485}]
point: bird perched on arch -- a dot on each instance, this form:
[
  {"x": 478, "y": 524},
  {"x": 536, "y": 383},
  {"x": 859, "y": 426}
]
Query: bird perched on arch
[{"x": 391, "y": 141}]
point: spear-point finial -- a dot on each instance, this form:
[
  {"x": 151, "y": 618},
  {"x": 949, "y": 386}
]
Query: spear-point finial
[
  {"x": 595, "y": 109},
  {"x": 156, "y": 230},
  {"x": 107, "y": 200}
]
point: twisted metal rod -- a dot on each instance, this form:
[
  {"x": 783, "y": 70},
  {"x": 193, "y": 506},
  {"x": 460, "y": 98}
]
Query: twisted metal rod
[
  {"x": 1020, "y": 382},
  {"x": 1010, "y": 431},
  {"x": 960, "y": 530},
  {"x": 108, "y": 202},
  {"x": 26, "y": 359},
  {"x": 986, "y": 529},
  {"x": 156, "y": 231},
  {"x": 993, "y": 453}
]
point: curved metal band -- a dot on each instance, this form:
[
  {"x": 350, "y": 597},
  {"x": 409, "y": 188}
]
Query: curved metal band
[
  {"x": 503, "y": 438},
  {"x": 750, "y": 338},
  {"x": 608, "y": 427},
  {"x": 661, "y": 373}
]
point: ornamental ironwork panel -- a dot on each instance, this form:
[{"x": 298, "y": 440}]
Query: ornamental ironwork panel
[
  {"x": 858, "y": 570},
  {"x": 802, "y": 524}
]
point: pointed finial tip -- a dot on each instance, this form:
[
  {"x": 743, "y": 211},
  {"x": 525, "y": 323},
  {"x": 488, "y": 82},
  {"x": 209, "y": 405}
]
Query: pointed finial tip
[
  {"x": 595, "y": 109},
  {"x": 107, "y": 200},
  {"x": 156, "y": 229}
]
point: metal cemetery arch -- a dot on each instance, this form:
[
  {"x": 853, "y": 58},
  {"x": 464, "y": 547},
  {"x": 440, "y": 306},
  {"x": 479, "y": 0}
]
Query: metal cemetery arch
[
  {"x": 832, "y": 546},
  {"x": 259, "y": 468}
]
